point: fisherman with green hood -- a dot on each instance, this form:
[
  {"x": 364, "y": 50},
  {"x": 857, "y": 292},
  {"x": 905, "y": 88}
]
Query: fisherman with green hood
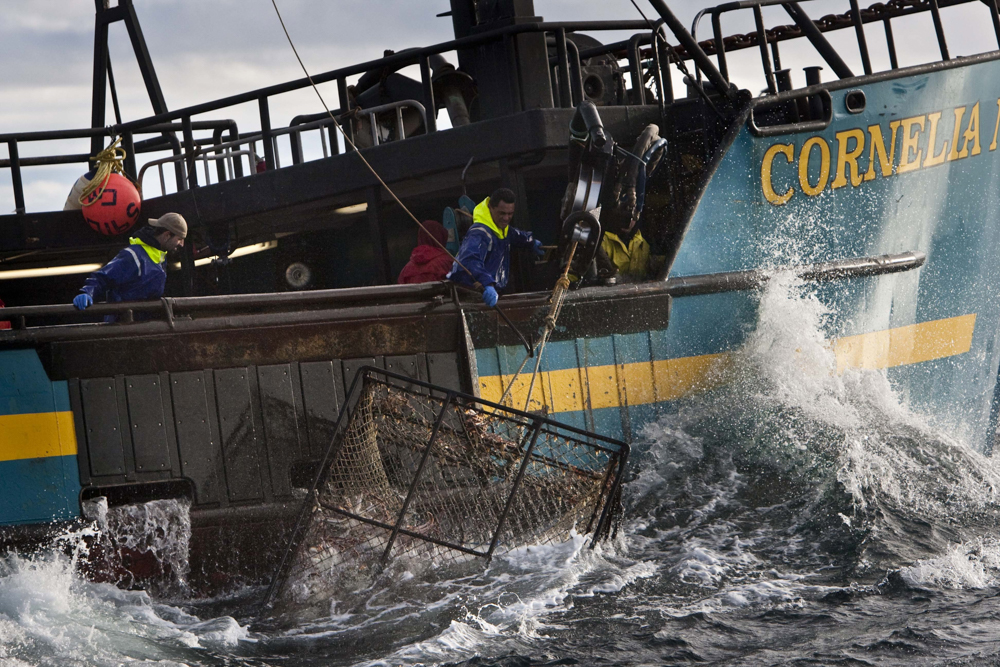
[{"x": 485, "y": 250}]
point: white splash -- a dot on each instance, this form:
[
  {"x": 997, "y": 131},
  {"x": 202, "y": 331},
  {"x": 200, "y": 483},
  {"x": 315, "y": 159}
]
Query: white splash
[{"x": 974, "y": 564}]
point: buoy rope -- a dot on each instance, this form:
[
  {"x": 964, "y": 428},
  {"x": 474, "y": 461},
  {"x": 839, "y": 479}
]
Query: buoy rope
[
  {"x": 109, "y": 161},
  {"x": 357, "y": 152}
]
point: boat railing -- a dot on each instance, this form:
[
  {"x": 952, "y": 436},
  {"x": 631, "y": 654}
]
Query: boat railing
[
  {"x": 43, "y": 323},
  {"x": 778, "y": 80},
  {"x": 226, "y": 152},
  {"x": 185, "y": 123}
]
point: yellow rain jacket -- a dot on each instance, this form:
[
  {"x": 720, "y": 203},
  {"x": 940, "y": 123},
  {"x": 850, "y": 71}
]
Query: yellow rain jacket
[{"x": 631, "y": 260}]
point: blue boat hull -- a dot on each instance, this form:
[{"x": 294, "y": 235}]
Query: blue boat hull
[{"x": 915, "y": 171}]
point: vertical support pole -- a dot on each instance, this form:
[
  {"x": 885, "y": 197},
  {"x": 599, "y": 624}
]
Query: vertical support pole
[
  {"x": 995, "y": 15},
  {"x": 220, "y": 164},
  {"x": 142, "y": 57},
  {"x": 187, "y": 267},
  {"x": 661, "y": 66},
  {"x": 536, "y": 429},
  {"x": 720, "y": 45},
  {"x": 428, "y": 84},
  {"x": 939, "y": 29},
  {"x": 890, "y": 44},
  {"x": 345, "y": 106},
  {"x": 15, "y": 177},
  {"x": 859, "y": 28},
  {"x": 99, "y": 99},
  {"x": 576, "y": 67},
  {"x": 765, "y": 59},
  {"x": 562, "y": 53},
  {"x": 416, "y": 476},
  {"x": 776, "y": 56},
  {"x": 237, "y": 161},
  {"x": 658, "y": 69},
  {"x": 189, "y": 157},
  {"x": 376, "y": 231},
  {"x": 295, "y": 138},
  {"x": 693, "y": 49},
  {"x": 265, "y": 132},
  {"x": 114, "y": 92},
  {"x": 635, "y": 70},
  {"x": 129, "y": 145}
]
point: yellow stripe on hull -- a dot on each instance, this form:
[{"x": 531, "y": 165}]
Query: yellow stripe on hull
[
  {"x": 37, "y": 435},
  {"x": 906, "y": 345},
  {"x": 643, "y": 383}
]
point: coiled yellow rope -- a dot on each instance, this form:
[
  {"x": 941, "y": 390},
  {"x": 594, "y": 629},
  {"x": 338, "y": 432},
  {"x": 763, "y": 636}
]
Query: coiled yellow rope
[{"x": 109, "y": 161}]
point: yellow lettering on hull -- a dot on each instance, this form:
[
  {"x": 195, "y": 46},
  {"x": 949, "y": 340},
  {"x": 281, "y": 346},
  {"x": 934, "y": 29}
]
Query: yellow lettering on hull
[{"x": 926, "y": 141}]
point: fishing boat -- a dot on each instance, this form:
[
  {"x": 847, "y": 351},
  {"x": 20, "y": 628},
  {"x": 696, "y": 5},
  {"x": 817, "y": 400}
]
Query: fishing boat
[{"x": 876, "y": 188}]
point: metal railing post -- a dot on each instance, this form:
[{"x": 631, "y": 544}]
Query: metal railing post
[
  {"x": 237, "y": 162},
  {"x": 817, "y": 39},
  {"x": 15, "y": 177},
  {"x": 995, "y": 15},
  {"x": 719, "y": 82},
  {"x": 765, "y": 58},
  {"x": 428, "y": 84},
  {"x": 295, "y": 139},
  {"x": 416, "y": 476},
  {"x": 635, "y": 69},
  {"x": 859, "y": 28},
  {"x": 537, "y": 427},
  {"x": 939, "y": 29},
  {"x": 720, "y": 44},
  {"x": 562, "y": 53},
  {"x": 128, "y": 143},
  {"x": 890, "y": 44},
  {"x": 345, "y": 104},
  {"x": 265, "y": 132},
  {"x": 189, "y": 156},
  {"x": 576, "y": 67}
]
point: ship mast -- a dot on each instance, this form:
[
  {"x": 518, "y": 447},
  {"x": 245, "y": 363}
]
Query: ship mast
[{"x": 105, "y": 16}]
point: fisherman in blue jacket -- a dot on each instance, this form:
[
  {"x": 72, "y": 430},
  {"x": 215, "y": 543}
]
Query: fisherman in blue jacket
[
  {"x": 485, "y": 250},
  {"x": 136, "y": 273}
]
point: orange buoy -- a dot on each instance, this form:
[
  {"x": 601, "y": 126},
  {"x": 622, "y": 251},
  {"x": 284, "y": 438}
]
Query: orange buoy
[{"x": 116, "y": 209}]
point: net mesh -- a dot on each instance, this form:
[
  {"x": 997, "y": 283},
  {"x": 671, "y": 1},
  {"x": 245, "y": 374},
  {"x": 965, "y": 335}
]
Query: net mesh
[{"x": 428, "y": 477}]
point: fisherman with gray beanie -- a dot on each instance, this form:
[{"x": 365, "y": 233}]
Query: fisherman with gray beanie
[{"x": 136, "y": 273}]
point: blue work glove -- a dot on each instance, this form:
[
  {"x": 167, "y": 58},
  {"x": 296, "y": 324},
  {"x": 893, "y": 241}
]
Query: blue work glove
[
  {"x": 490, "y": 296},
  {"x": 81, "y": 301},
  {"x": 537, "y": 248}
]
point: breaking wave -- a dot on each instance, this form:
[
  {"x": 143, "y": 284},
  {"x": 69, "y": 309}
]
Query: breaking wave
[{"x": 790, "y": 498}]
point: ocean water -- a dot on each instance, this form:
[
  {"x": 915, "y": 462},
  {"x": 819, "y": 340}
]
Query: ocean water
[{"x": 793, "y": 516}]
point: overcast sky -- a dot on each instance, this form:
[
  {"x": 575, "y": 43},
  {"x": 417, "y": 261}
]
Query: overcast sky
[{"x": 206, "y": 49}]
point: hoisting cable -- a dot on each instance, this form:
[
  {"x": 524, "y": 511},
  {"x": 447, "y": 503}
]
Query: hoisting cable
[
  {"x": 356, "y": 151},
  {"x": 562, "y": 284},
  {"x": 108, "y": 161},
  {"x": 558, "y": 296},
  {"x": 555, "y": 307}
]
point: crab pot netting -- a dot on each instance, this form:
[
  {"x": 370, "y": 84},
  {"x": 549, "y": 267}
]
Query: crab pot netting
[{"x": 473, "y": 474}]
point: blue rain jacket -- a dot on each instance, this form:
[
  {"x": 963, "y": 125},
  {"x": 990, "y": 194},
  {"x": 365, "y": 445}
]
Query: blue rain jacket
[
  {"x": 485, "y": 250},
  {"x": 135, "y": 274}
]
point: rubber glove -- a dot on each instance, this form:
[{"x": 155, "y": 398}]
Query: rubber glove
[
  {"x": 490, "y": 296},
  {"x": 537, "y": 248},
  {"x": 81, "y": 301}
]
